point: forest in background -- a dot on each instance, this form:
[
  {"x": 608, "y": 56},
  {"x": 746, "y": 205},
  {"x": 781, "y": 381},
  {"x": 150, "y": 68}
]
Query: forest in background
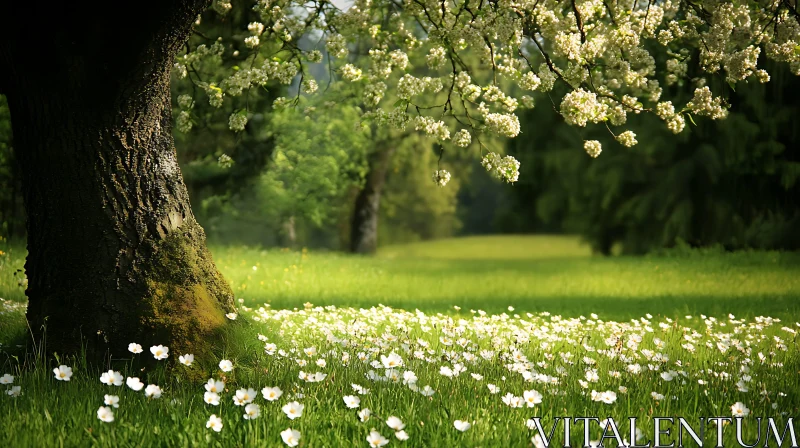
[{"x": 311, "y": 176}]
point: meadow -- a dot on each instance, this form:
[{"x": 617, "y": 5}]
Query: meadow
[{"x": 447, "y": 343}]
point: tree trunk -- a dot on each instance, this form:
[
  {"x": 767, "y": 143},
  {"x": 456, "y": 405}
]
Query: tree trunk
[
  {"x": 114, "y": 252},
  {"x": 290, "y": 232},
  {"x": 364, "y": 231}
]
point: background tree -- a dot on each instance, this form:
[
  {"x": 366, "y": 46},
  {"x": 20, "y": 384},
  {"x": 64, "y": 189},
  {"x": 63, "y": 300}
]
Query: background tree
[{"x": 732, "y": 182}]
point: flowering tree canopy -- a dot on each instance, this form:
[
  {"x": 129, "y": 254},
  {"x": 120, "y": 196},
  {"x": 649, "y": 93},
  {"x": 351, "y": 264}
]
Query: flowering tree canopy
[{"x": 485, "y": 58}]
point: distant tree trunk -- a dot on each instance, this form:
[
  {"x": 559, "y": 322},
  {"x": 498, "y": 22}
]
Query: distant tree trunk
[
  {"x": 290, "y": 232},
  {"x": 364, "y": 230},
  {"x": 114, "y": 252}
]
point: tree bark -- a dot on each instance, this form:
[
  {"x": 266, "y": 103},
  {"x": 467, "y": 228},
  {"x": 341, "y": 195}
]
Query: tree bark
[
  {"x": 364, "y": 230},
  {"x": 114, "y": 252}
]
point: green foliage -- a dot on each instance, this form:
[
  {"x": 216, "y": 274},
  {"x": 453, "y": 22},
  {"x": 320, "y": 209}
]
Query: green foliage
[
  {"x": 413, "y": 207},
  {"x": 731, "y": 182}
]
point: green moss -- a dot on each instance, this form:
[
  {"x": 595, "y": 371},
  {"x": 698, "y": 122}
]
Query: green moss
[{"x": 187, "y": 296}]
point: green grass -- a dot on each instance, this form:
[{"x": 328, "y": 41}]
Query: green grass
[
  {"x": 537, "y": 273},
  {"x": 488, "y": 274}
]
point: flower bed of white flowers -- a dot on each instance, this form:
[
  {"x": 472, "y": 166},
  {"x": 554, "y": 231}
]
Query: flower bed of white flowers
[{"x": 371, "y": 377}]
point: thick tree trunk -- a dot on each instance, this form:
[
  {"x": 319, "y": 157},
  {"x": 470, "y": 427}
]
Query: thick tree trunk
[
  {"x": 364, "y": 230},
  {"x": 114, "y": 253}
]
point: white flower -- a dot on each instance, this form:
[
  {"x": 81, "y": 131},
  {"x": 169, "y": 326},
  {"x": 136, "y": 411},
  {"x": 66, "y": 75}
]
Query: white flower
[
  {"x": 293, "y": 410},
  {"x": 462, "y": 425},
  {"x": 244, "y": 396},
  {"x": 134, "y": 348},
  {"x": 409, "y": 377},
  {"x": 532, "y": 397},
  {"x": 105, "y": 414},
  {"x": 375, "y": 439},
  {"x": 63, "y": 373},
  {"x": 111, "y": 378},
  {"x": 111, "y": 400},
  {"x": 134, "y": 383},
  {"x": 351, "y": 401},
  {"x": 152, "y": 391},
  {"x": 740, "y": 410},
  {"x": 364, "y": 414},
  {"x": 427, "y": 391},
  {"x": 225, "y": 365},
  {"x": 608, "y": 397},
  {"x": 290, "y": 437},
  {"x": 159, "y": 352},
  {"x": 251, "y": 41},
  {"x": 251, "y": 411},
  {"x": 15, "y": 391},
  {"x": 493, "y": 389},
  {"x": 214, "y": 423},
  {"x": 6, "y": 379},
  {"x": 232, "y": 316},
  {"x": 186, "y": 360},
  {"x": 401, "y": 435},
  {"x": 256, "y": 28},
  {"x": 211, "y": 398},
  {"x": 215, "y": 386},
  {"x": 513, "y": 401},
  {"x": 271, "y": 393},
  {"x": 395, "y": 423},
  {"x": 391, "y": 361}
]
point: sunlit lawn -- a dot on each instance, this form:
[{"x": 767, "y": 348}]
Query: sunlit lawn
[
  {"x": 647, "y": 352},
  {"x": 531, "y": 273}
]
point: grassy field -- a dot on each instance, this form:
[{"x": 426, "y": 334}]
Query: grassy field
[
  {"x": 450, "y": 348},
  {"x": 536, "y": 273}
]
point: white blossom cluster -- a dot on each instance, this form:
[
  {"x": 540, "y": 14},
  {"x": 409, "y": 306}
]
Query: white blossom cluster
[
  {"x": 462, "y": 138},
  {"x": 237, "y": 121},
  {"x": 627, "y": 139},
  {"x": 478, "y": 58},
  {"x": 504, "y": 168},
  {"x": 436, "y": 58},
  {"x": 593, "y": 148},
  {"x": 225, "y": 161},
  {"x": 441, "y": 177}
]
